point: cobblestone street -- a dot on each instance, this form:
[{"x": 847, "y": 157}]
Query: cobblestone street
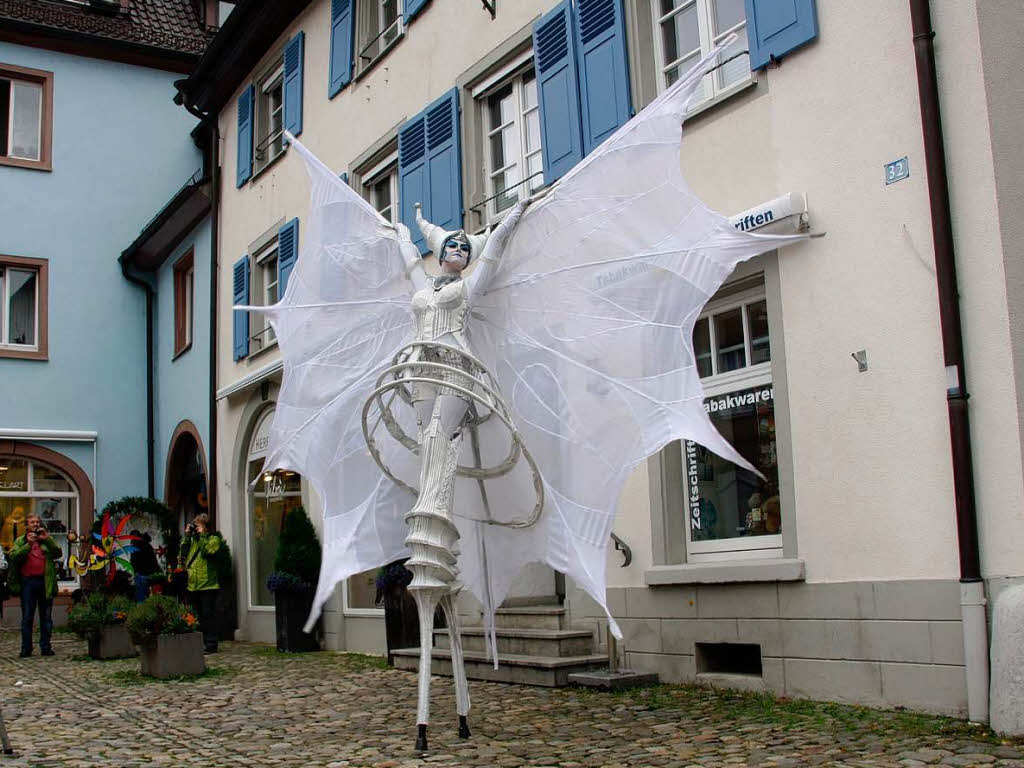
[{"x": 258, "y": 708}]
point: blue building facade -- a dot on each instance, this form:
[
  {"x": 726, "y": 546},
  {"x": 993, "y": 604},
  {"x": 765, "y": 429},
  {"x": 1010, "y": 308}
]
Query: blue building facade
[{"x": 93, "y": 146}]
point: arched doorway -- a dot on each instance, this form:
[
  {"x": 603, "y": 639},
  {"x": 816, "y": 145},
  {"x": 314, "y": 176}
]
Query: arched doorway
[
  {"x": 39, "y": 481},
  {"x": 185, "y": 484},
  {"x": 269, "y": 498}
]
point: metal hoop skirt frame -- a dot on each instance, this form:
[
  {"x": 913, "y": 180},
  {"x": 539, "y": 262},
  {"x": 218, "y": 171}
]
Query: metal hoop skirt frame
[{"x": 495, "y": 405}]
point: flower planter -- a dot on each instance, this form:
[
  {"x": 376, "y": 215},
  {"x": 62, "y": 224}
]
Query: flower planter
[
  {"x": 174, "y": 655},
  {"x": 291, "y": 609},
  {"x": 112, "y": 642}
]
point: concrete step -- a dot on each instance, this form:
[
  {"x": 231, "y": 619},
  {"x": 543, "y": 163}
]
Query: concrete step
[
  {"x": 532, "y": 617},
  {"x": 546, "y": 671},
  {"x": 524, "y": 642}
]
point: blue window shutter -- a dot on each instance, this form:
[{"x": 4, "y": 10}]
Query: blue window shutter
[
  {"x": 240, "y": 295},
  {"x": 557, "y": 91},
  {"x": 412, "y": 7},
  {"x": 603, "y": 71},
  {"x": 287, "y": 253},
  {"x": 776, "y": 27},
  {"x": 293, "y": 55},
  {"x": 443, "y": 161},
  {"x": 343, "y": 176},
  {"x": 342, "y": 41},
  {"x": 243, "y": 170},
  {"x": 413, "y": 186}
]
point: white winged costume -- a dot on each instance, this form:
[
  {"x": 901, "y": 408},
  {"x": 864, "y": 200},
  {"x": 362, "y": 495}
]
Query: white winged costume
[{"x": 586, "y": 323}]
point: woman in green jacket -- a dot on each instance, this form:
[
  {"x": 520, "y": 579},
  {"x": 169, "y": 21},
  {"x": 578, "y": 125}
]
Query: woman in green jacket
[
  {"x": 199, "y": 551},
  {"x": 33, "y": 576}
]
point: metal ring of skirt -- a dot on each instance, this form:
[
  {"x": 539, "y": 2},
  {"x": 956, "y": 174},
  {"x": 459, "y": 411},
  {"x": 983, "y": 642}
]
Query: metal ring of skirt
[{"x": 407, "y": 369}]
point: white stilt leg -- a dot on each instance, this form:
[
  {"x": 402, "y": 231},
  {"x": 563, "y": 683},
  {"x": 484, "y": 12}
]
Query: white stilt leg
[
  {"x": 458, "y": 664},
  {"x": 426, "y": 602}
]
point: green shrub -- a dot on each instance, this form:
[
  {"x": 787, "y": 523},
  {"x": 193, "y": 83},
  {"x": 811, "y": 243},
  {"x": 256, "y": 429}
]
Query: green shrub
[
  {"x": 96, "y": 611},
  {"x": 298, "y": 549},
  {"x": 159, "y": 615}
]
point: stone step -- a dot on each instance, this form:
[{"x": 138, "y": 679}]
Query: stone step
[
  {"x": 524, "y": 642},
  {"x": 532, "y": 617},
  {"x": 545, "y": 671}
]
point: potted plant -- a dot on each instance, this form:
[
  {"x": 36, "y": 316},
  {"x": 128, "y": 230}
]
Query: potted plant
[
  {"x": 293, "y": 582},
  {"x": 167, "y": 636},
  {"x": 99, "y": 619}
]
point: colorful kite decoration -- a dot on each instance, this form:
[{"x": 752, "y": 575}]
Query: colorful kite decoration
[{"x": 110, "y": 552}]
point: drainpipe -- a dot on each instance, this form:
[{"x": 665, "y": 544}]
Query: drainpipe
[
  {"x": 211, "y": 122},
  {"x": 150, "y": 440},
  {"x": 972, "y": 587}
]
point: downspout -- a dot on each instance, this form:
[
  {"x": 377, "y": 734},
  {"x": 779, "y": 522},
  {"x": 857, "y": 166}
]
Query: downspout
[
  {"x": 150, "y": 439},
  {"x": 211, "y": 122},
  {"x": 972, "y": 587}
]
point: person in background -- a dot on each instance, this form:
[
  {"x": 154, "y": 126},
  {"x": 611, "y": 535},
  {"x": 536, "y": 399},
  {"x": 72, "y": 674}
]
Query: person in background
[
  {"x": 199, "y": 552},
  {"x": 33, "y": 575},
  {"x": 144, "y": 564}
]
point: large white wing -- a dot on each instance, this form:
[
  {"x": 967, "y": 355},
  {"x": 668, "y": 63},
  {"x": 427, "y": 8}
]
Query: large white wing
[
  {"x": 342, "y": 317},
  {"x": 588, "y": 325}
]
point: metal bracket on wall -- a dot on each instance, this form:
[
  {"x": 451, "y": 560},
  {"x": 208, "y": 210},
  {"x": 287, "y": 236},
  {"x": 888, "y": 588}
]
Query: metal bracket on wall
[{"x": 490, "y": 6}]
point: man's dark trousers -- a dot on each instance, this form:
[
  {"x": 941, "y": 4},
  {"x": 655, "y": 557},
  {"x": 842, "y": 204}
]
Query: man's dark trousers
[{"x": 33, "y": 593}]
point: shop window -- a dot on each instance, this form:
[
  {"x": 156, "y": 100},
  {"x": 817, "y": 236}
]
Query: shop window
[
  {"x": 512, "y": 147},
  {"x": 23, "y": 303},
  {"x": 271, "y": 496},
  {"x": 184, "y": 289},
  {"x": 29, "y": 487},
  {"x": 26, "y": 115},
  {"x": 686, "y": 30},
  {"x": 379, "y": 26},
  {"x": 361, "y": 594},
  {"x": 730, "y": 511},
  {"x": 270, "y": 114}
]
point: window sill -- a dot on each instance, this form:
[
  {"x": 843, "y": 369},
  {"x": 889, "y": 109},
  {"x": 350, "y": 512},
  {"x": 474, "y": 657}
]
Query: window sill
[
  {"x": 181, "y": 351},
  {"x": 270, "y": 164},
  {"x": 20, "y": 353},
  {"x": 775, "y": 569},
  {"x": 369, "y": 66},
  {"x": 34, "y": 165},
  {"x": 725, "y": 95},
  {"x": 260, "y": 352},
  {"x": 365, "y": 613}
]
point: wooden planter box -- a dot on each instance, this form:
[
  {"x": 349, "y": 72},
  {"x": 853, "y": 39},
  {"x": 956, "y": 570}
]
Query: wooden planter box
[
  {"x": 112, "y": 642},
  {"x": 174, "y": 655}
]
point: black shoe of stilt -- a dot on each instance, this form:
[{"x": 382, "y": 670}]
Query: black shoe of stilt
[
  {"x": 463, "y": 727},
  {"x": 421, "y": 738}
]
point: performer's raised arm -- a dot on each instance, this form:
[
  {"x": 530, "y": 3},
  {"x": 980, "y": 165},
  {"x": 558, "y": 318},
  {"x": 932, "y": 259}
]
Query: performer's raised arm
[
  {"x": 493, "y": 250},
  {"x": 411, "y": 254}
]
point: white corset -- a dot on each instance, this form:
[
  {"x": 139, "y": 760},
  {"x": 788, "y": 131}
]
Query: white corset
[{"x": 439, "y": 312}]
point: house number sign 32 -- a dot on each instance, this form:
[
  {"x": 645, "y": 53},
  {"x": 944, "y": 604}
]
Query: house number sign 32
[{"x": 897, "y": 170}]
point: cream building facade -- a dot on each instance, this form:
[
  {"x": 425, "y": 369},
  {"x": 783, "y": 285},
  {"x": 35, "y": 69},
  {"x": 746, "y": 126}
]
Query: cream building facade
[{"x": 836, "y": 579}]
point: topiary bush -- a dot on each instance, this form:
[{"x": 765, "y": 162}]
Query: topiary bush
[
  {"x": 159, "y": 615},
  {"x": 297, "y": 562}
]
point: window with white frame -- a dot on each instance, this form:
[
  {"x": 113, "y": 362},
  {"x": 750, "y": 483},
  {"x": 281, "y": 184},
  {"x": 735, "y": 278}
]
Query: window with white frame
[
  {"x": 380, "y": 183},
  {"x": 263, "y": 292},
  {"x": 22, "y": 302},
  {"x": 512, "y": 145},
  {"x": 30, "y": 487},
  {"x": 379, "y": 25},
  {"x": 26, "y": 97},
  {"x": 730, "y": 511},
  {"x": 686, "y": 30},
  {"x": 270, "y": 115}
]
